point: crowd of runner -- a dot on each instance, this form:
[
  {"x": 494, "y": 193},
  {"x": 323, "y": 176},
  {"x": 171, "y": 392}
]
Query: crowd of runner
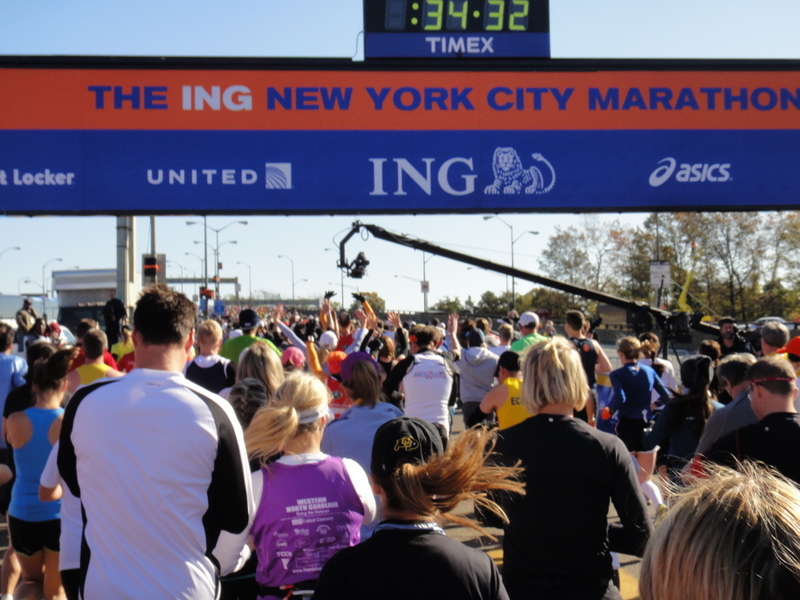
[{"x": 274, "y": 455}]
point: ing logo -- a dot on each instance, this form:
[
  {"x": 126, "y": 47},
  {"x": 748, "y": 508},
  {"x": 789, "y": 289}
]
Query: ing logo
[{"x": 510, "y": 177}]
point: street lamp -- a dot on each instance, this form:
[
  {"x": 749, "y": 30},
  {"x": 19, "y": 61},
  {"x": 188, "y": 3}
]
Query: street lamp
[
  {"x": 425, "y": 285},
  {"x": 10, "y": 248},
  {"x": 172, "y": 262},
  {"x": 200, "y": 258},
  {"x": 216, "y": 255},
  {"x": 205, "y": 250},
  {"x": 249, "y": 279},
  {"x": 513, "y": 241},
  {"x": 216, "y": 247},
  {"x": 341, "y": 275},
  {"x": 27, "y": 280},
  {"x": 202, "y": 263},
  {"x": 291, "y": 261}
]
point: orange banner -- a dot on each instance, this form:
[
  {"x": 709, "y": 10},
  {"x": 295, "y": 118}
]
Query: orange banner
[{"x": 359, "y": 100}]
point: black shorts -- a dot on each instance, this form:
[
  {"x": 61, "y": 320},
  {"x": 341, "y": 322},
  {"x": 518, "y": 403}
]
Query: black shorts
[
  {"x": 631, "y": 432},
  {"x": 30, "y": 537},
  {"x": 5, "y": 491}
]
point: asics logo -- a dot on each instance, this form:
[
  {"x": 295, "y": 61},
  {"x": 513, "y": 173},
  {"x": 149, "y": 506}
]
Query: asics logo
[{"x": 689, "y": 173}]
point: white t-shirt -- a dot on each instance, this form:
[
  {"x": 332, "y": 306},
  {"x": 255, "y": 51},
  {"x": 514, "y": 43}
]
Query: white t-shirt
[
  {"x": 71, "y": 523},
  {"x": 160, "y": 468}
]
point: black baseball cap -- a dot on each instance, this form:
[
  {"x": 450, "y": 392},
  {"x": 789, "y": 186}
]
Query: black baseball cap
[
  {"x": 404, "y": 440},
  {"x": 508, "y": 360},
  {"x": 248, "y": 319}
]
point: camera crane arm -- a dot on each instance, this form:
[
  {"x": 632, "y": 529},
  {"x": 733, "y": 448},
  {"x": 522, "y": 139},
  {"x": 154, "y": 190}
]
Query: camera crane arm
[{"x": 661, "y": 316}]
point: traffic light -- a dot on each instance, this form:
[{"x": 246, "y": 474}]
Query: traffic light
[
  {"x": 207, "y": 293},
  {"x": 154, "y": 268},
  {"x": 150, "y": 270}
]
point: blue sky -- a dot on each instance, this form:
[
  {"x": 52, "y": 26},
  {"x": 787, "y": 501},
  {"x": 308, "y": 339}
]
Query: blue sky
[{"x": 325, "y": 28}]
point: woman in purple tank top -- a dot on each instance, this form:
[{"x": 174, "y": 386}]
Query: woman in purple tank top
[{"x": 309, "y": 504}]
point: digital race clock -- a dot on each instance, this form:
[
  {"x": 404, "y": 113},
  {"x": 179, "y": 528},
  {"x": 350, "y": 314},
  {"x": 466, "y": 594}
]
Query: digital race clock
[{"x": 456, "y": 28}]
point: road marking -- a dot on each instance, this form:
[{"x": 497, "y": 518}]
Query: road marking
[{"x": 629, "y": 585}]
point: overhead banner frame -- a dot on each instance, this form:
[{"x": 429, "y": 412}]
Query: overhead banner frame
[{"x": 232, "y": 136}]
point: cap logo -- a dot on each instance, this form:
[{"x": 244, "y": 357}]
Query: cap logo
[{"x": 406, "y": 443}]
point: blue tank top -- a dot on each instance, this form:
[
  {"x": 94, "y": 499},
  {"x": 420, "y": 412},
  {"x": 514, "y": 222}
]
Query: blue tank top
[{"x": 30, "y": 460}]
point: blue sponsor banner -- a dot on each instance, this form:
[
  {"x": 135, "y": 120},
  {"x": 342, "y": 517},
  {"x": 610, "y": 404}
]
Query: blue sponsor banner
[
  {"x": 395, "y": 171},
  {"x": 461, "y": 45}
]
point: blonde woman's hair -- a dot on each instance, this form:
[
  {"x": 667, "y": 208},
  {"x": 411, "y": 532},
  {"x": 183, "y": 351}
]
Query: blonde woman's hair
[
  {"x": 553, "y": 374},
  {"x": 630, "y": 347},
  {"x": 209, "y": 332},
  {"x": 261, "y": 362},
  {"x": 732, "y": 536},
  {"x": 463, "y": 472},
  {"x": 300, "y": 397}
]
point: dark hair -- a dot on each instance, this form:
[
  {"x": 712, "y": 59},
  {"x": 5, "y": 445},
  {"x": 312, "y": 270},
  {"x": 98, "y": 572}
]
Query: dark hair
[
  {"x": 246, "y": 397},
  {"x": 652, "y": 338},
  {"x": 400, "y": 340},
  {"x": 710, "y": 348},
  {"x": 423, "y": 335},
  {"x": 83, "y": 326},
  {"x": 49, "y": 373},
  {"x": 483, "y": 324},
  {"x": 575, "y": 319},
  {"x": 94, "y": 343},
  {"x": 388, "y": 348},
  {"x": 6, "y": 336},
  {"x": 695, "y": 403},
  {"x": 39, "y": 326},
  {"x": 364, "y": 384},
  {"x": 163, "y": 317},
  {"x": 39, "y": 351}
]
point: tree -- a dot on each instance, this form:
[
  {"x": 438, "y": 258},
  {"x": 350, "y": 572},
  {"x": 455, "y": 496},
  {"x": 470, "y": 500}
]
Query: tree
[
  {"x": 738, "y": 244},
  {"x": 492, "y": 304},
  {"x": 449, "y": 305},
  {"x": 554, "y": 303},
  {"x": 565, "y": 257}
]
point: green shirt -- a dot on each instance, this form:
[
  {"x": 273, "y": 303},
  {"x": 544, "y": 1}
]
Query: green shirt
[
  {"x": 522, "y": 346},
  {"x": 232, "y": 348}
]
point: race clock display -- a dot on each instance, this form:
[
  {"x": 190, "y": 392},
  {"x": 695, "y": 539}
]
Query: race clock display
[{"x": 457, "y": 28}]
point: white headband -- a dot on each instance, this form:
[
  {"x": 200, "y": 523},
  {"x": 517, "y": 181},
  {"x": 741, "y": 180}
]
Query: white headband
[{"x": 313, "y": 414}]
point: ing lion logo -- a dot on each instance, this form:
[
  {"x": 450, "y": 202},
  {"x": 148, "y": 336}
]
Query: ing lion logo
[
  {"x": 407, "y": 443},
  {"x": 511, "y": 178}
]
